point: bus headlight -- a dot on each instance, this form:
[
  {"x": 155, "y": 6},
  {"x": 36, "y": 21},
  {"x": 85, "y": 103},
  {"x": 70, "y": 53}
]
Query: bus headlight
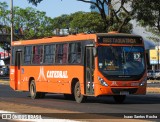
[
  {"x": 103, "y": 83},
  {"x": 144, "y": 81}
]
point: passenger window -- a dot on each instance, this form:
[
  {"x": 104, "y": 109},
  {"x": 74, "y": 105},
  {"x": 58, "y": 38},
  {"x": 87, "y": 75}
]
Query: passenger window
[
  {"x": 37, "y": 54},
  {"x": 49, "y": 54},
  {"x": 27, "y": 54},
  {"x": 61, "y": 53},
  {"x": 74, "y": 53}
]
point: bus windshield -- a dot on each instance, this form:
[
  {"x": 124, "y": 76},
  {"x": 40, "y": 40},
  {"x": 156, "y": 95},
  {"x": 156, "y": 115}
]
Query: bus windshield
[{"x": 117, "y": 62}]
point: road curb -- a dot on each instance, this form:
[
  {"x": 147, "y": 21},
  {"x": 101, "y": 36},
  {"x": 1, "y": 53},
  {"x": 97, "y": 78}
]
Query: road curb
[{"x": 4, "y": 82}]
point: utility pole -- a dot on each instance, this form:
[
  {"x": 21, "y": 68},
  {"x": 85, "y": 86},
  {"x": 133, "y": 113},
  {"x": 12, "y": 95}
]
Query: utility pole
[{"x": 11, "y": 20}]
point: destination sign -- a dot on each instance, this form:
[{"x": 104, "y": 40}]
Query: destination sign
[{"x": 120, "y": 40}]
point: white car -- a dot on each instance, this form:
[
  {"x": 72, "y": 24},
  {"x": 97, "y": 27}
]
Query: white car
[
  {"x": 150, "y": 75},
  {"x": 157, "y": 74},
  {"x": 4, "y": 71},
  {"x": 2, "y": 63}
]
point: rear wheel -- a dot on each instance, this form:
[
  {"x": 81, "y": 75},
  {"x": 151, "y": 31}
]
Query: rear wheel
[
  {"x": 34, "y": 94},
  {"x": 119, "y": 98},
  {"x": 77, "y": 94}
]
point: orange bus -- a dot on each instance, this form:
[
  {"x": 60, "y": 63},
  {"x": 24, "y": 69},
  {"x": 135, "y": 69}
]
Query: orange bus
[{"x": 80, "y": 66}]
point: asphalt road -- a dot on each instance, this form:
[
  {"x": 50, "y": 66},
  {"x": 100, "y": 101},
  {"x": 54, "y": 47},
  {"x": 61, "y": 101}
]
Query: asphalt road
[
  {"x": 140, "y": 104},
  {"x": 149, "y": 103},
  {"x": 94, "y": 108}
]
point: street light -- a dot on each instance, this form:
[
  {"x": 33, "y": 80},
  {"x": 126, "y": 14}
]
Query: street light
[{"x": 11, "y": 20}]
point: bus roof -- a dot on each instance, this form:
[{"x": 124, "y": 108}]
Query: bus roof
[{"x": 81, "y": 36}]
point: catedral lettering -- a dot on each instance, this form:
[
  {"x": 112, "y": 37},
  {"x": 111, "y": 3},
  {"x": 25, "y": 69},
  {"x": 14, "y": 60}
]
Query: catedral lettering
[
  {"x": 80, "y": 66},
  {"x": 57, "y": 74}
]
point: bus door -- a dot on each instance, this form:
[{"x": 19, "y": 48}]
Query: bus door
[
  {"x": 89, "y": 70},
  {"x": 18, "y": 69}
]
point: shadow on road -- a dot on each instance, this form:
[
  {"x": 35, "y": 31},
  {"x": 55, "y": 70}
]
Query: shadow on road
[
  {"x": 9, "y": 94},
  {"x": 133, "y": 99}
]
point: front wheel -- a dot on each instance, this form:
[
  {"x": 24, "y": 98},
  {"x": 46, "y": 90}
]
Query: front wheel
[
  {"x": 77, "y": 94},
  {"x": 119, "y": 98}
]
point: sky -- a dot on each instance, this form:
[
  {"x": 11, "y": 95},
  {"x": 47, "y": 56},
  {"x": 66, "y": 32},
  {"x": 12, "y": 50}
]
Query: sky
[{"x": 54, "y": 8}]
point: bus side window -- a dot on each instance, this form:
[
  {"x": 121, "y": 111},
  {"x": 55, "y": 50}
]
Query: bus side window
[
  {"x": 49, "y": 53},
  {"x": 59, "y": 53},
  {"x": 37, "y": 54},
  {"x": 27, "y": 54},
  {"x": 78, "y": 52},
  {"x": 65, "y": 52},
  {"x": 74, "y": 53}
]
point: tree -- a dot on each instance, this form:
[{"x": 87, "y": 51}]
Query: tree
[
  {"x": 32, "y": 23},
  {"x": 4, "y": 26},
  {"x": 116, "y": 21},
  {"x": 27, "y": 22},
  {"x": 84, "y": 22},
  {"x": 80, "y": 21},
  {"x": 87, "y": 22},
  {"x": 119, "y": 16},
  {"x": 34, "y": 2},
  {"x": 148, "y": 15},
  {"x": 4, "y": 18}
]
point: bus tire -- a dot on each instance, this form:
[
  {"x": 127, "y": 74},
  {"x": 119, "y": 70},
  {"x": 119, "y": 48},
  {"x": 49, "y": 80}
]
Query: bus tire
[
  {"x": 77, "y": 94},
  {"x": 32, "y": 89},
  {"x": 119, "y": 98}
]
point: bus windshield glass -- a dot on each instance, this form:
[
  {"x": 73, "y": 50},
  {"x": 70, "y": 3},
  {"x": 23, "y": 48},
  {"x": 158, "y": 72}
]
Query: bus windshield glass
[{"x": 117, "y": 62}]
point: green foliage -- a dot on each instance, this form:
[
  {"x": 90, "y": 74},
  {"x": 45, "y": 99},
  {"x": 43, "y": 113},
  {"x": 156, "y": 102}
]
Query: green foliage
[
  {"x": 146, "y": 11},
  {"x": 83, "y": 21},
  {"x": 31, "y": 22},
  {"x": 34, "y": 2},
  {"x": 61, "y": 21},
  {"x": 155, "y": 34},
  {"x": 4, "y": 18},
  {"x": 118, "y": 16},
  {"x": 86, "y": 22},
  {"x": 125, "y": 29},
  {"x": 148, "y": 15},
  {"x": 35, "y": 24},
  {"x": 106, "y": 23}
]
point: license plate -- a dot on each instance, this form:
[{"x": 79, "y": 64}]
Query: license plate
[
  {"x": 134, "y": 84},
  {"x": 124, "y": 93}
]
